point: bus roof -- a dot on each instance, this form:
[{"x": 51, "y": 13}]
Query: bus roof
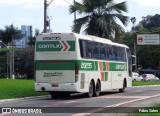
[
  {"x": 101, "y": 40},
  {"x": 89, "y": 37}
]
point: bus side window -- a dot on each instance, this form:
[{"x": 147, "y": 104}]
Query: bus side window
[
  {"x": 109, "y": 50},
  {"x": 112, "y": 53},
  {"x": 123, "y": 55},
  {"x": 118, "y": 54},
  {"x": 102, "y": 51},
  {"x": 89, "y": 47},
  {"x": 95, "y": 50},
  {"x": 83, "y": 48},
  {"x": 115, "y": 53}
]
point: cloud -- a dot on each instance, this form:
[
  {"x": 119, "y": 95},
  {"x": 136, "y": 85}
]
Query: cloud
[{"x": 148, "y": 3}]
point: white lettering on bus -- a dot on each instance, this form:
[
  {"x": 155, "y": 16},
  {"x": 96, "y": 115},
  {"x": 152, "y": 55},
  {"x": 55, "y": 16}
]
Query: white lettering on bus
[
  {"x": 86, "y": 65},
  {"x": 50, "y": 46},
  {"x": 118, "y": 66}
]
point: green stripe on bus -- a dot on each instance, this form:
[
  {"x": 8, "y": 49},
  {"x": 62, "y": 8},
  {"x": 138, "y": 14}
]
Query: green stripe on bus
[
  {"x": 55, "y": 65},
  {"x": 117, "y": 66},
  {"x": 106, "y": 76},
  {"x": 86, "y": 65},
  {"x": 82, "y": 65},
  {"x": 72, "y": 45},
  {"x": 43, "y": 46},
  {"x": 50, "y": 46},
  {"x": 96, "y": 66},
  {"x": 104, "y": 66}
]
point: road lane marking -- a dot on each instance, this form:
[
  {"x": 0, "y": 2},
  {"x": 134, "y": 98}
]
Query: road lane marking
[
  {"x": 55, "y": 104},
  {"x": 135, "y": 97},
  {"x": 115, "y": 105}
]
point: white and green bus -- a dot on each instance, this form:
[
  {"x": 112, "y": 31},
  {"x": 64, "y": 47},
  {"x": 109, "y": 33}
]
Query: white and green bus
[{"x": 68, "y": 63}]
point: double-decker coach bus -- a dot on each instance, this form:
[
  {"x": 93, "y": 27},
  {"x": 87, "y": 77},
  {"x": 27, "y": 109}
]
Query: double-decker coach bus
[{"x": 68, "y": 63}]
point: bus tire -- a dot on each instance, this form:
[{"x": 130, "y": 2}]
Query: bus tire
[
  {"x": 97, "y": 89},
  {"x": 91, "y": 90},
  {"x": 123, "y": 88}
]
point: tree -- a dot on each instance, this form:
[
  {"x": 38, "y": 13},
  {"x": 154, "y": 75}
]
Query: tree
[
  {"x": 10, "y": 33},
  {"x": 151, "y": 23},
  {"x": 99, "y": 17},
  {"x": 148, "y": 55}
]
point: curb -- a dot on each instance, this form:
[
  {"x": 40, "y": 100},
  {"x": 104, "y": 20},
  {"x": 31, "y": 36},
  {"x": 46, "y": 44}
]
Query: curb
[{"x": 24, "y": 98}]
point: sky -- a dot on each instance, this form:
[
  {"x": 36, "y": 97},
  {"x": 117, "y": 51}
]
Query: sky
[{"x": 31, "y": 12}]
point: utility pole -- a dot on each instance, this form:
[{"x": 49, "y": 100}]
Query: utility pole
[
  {"x": 12, "y": 45},
  {"x": 10, "y": 62},
  {"x": 74, "y": 12},
  {"x": 135, "y": 53},
  {"x": 7, "y": 67},
  {"x": 45, "y": 15}
]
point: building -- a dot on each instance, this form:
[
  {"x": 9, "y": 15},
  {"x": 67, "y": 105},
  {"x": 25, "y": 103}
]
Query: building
[{"x": 27, "y": 34}]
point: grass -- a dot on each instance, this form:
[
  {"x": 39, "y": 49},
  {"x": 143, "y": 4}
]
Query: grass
[
  {"x": 145, "y": 83},
  {"x": 17, "y": 88},
  {"x": 23, "y": 88}
]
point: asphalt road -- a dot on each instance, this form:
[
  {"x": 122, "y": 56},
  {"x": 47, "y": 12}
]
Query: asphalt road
[{"x": 133, "y": 99}]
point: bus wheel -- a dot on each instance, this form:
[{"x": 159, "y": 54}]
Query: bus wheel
[
  {"x": 97, "y": 89},
  {"x": 91, "y": 89},
  {"x": 123, "y": 88}
]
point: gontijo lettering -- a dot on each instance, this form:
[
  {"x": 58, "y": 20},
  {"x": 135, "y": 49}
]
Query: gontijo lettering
[
  {"x": 118, "y": 66},
  {"x": 50, "y": 46}
]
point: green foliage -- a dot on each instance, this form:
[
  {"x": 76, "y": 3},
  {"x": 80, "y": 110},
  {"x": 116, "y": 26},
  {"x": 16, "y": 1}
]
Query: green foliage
[
  {"x": 99, "y": 17},
  {"x": 149, "y": 55},
  {"x": 4, "y": 50},
  {"x": 151, "y": 24},
  {"x": 24, "y": 63},
  {"x": 10, "y": 32}
]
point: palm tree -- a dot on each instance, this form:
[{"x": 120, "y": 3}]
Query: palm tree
[{"x": 99, "y": 17}]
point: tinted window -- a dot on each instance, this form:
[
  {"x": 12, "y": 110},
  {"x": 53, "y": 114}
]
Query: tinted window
[
  {"x": 89, "y": 47},
  {"x": 96, "y": 53},
  {"x": 103, "y": 53},
  {"x": 97, "y": 50}
]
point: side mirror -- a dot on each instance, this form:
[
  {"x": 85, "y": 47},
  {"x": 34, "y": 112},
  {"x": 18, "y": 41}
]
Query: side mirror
[{"x": 133, "y": 60}]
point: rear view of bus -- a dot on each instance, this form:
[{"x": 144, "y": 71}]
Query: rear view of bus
[{"x": 55, "y": 66}]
